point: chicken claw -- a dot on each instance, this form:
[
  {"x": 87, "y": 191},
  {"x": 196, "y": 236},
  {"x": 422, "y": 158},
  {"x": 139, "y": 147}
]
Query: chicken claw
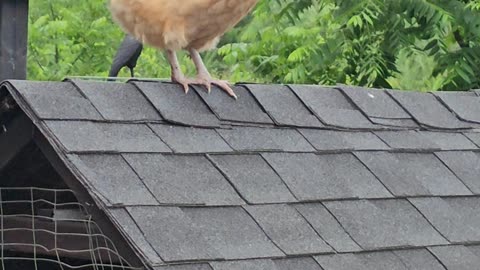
[
  {"x": 204, "y": 78},
  {"x": 193, "y": 25},
  {"x": 205, "y": 81},
  {"x": 224, "y": 86}
]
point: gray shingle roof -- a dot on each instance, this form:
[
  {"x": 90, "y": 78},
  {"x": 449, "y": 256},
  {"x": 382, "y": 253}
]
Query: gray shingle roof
[{"x": 287, "y": 177}]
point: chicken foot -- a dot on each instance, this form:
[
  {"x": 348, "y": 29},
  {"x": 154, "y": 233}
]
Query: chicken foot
[{"x": 203, "y": 76}]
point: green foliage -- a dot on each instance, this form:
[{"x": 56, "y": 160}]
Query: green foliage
[
  {"x": 78, "y": 38},
  {"x": 69, "y": 38},
  {"x": 407, "y": 44}
]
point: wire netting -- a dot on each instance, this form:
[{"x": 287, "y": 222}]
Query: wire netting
[{"x": 49, "y": 229}]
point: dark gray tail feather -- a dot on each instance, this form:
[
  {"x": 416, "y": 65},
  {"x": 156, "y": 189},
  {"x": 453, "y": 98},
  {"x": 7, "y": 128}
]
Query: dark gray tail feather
[{"x": 127, "y": 56}]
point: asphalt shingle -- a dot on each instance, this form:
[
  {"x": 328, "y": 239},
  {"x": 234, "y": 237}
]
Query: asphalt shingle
[
  {"x": 111, "y": 176},
  {"x": 257, "y": 184},
  {"x": 283, "y": 105},
  {"x": 456, "y": 257},
  {"x": 326, "y": 96},
  {"x": 118, "y": 101},
  {"x": 374, "y": 102},
  {"x": 465, "y": 165},
  {"x": 79, "y": 136},
  {"x": 475, "y": 249},
  {"x": 335, "y": 176},
  {"x": 466, "y": 106},
  {"x": 184, "y": 180},
  {"x": 195, "y": 266},
  {"x": 370, "y": 261},
  {"x": 178, "y": 239},
  {"x": 474, "y": 137},
  {"x": 132, "y": 231},
  {"x": 177, "y": 107},
  {"x": 418, "y": 259},
  {"x": 293, "y": 235},
  {"x": 413, "y": 174},
  {"x": 56, "y": 100},
  {"x": 437, "y": 115},
  {"x": 331, "y": 140},
  {"x": 245, "y": 265},
  {"x": 327, "y": 227},
  {"x": 449, "y": 141},
  {"x": 232, "y": 232},
  {"x": 385, "y": 224},
  {"x": 332, "y": 107},
  {"x": 306, "y": 263},
  {"x": 243, "y": 109},
  {"x": 458, "y": 219},
  {"x": 407, "y": 140},
  {"x": 265, "y": 139},
  {"x": 191, "y": 140},
  {"x": 396, "y": 123},
  {"x": 340, "y": 262}
]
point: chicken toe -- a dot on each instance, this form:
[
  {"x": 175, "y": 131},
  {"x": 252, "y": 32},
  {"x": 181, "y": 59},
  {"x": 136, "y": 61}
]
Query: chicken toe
[
  {"x": 204, "y": 81},
  {"x": 204, "y": 78},
  {"x": 207, "y": 81}
]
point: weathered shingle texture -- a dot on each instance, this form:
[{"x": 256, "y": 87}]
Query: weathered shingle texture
[{"x": 287, "y": 177}]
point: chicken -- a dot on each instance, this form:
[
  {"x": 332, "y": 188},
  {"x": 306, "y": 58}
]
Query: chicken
[
  {"x": 172, "y": 25},
  {"x": 127, "y": 56}
]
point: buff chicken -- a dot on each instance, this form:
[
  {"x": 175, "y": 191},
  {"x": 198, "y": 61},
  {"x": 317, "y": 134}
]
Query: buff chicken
[{"x": 173, "y": 25}]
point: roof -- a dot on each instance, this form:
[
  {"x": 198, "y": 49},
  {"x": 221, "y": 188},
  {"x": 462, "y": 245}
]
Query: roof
[{"x": 286, "y": 177}]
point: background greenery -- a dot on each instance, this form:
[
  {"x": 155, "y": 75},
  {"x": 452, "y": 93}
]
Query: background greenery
[{"x": 402, "y": 44}]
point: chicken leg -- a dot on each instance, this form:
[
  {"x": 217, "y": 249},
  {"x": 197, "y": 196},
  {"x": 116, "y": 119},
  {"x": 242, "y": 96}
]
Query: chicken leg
[
  {"x": 194, "y": 25},
  {"x": 203, "y": 76}
]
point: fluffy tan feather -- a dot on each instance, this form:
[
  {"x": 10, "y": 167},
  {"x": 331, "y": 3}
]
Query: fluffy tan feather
[
  {"x": 179, "y": 24},
  {"x": 171, "y": 25}
]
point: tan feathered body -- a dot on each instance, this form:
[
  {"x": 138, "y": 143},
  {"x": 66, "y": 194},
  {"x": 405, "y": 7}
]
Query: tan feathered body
[{"x": 179, "y": 24}]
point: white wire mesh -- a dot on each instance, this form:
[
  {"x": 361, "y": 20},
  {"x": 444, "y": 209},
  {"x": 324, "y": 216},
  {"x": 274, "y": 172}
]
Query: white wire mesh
[{"x": 49, "y": 229}]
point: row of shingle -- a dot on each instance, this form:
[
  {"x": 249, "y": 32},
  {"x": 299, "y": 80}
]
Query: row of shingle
[
  {"x": 435, "y": 258},
  {"x": 87, "y": 136},
  {"x": 280, "y": 230},
  {"x": 301, "y": 106},
  {"x": 277, "y": 177},
  {"x": 431, "y": 110},
  {"x": 62, "y": 100}
]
